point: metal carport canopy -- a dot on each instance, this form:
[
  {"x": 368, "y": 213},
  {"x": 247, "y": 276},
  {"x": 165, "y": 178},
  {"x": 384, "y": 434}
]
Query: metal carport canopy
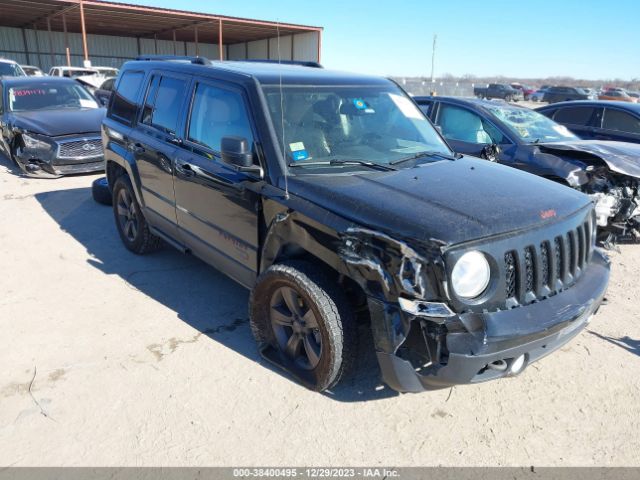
[{"x": 120, "y": 19}]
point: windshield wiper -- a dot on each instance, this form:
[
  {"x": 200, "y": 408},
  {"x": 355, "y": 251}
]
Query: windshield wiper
[
  {"x": 425, "y": 154},
  {"x": 377, "y": 166}
]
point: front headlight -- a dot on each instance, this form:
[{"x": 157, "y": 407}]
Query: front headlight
[
  {"x": 33, "y": 143},
  {"x": 470, "y": 275}
]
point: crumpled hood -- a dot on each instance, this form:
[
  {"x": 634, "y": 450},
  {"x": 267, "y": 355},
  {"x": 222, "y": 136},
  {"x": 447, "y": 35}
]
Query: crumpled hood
[
  {"x": 60, "y": 122},
  {"x": 620, "y": 157},
  {"x": 449, "y": 201}
]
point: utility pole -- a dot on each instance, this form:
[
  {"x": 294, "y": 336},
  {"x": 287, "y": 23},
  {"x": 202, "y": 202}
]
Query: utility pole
[{"x": 433, "y": 58}]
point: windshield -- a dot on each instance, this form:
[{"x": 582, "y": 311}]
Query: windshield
[
  {"x": 78, "y": 73},
  {"x": 377, "y": 124},
  {"x": 531, "y": 126},
  {"x": 11, "y": 70},
  {"x": 43, "y": 96},
  {"x": 108, "y": 72}
]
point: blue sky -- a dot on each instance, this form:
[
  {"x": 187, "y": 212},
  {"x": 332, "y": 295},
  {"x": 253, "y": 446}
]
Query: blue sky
[{"x": 583, "y": 39}]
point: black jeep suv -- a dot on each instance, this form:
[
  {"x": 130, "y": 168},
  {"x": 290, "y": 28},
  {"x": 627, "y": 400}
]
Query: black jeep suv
[{"x": 332, "y": 197}]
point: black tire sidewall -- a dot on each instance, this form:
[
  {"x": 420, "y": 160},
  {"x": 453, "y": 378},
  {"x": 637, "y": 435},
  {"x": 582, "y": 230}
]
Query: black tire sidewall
[
  {"x": 331, "y": 321},
  {"x": 135, "y": 245},
  {"x": 100, "y": 192}
]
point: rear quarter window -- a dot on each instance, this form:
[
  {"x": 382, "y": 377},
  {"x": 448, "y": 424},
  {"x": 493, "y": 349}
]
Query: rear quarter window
[
  {"x": 620, "y": 121},
  {"x": 124, "y": 107}
]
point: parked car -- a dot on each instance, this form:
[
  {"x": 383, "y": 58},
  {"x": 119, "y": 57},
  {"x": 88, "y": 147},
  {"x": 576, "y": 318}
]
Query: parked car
[
  {"x": 107, "y": 71},
  {"x": 598, "y": 120},
  {"x": 608, "y": 172},
  {"x": 562, "y": 94},
  {"x": 499, "y": 90},
  {"x": 9, "y": 68},
  {"x": 103, "y": 93},
  {"x": 538, "y": 95},
  {"x": 332, "y": 197},
  {"x": 526, "y": 90},
  {"x": 72, "y": 72},
  {"x": 32, "y": 71},
  {"x": 617, "y": 95},
  {"x": 50, "y": 126}
]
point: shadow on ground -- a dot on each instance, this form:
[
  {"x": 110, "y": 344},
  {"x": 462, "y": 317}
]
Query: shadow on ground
[
  {"x": 200, "y": 295},
  {"x": 627, "y": 343}
]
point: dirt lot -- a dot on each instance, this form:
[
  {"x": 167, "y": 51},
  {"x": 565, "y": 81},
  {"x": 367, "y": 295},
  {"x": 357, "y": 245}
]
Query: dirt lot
[{"x": 113, "y": 359}]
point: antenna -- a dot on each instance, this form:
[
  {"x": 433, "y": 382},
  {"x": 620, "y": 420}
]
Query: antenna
[
  {"x": 433, "y": 58},
  {"x": 284, "y": 150}
]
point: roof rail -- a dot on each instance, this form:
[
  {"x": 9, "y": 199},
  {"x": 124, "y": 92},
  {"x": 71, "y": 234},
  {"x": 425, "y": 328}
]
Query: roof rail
[
  {"x": 175, "y": 58},
  {"x": 288, "y": 62}
]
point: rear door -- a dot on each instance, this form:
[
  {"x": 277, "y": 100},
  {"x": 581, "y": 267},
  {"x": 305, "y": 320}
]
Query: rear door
[
  {"x": 578, "y": 119},
  {"x": 154, "y": 145},
  {"x": 217, "y": 213}
]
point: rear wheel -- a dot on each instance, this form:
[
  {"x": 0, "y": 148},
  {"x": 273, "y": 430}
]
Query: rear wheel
[
  {"x": 298, "y": 312},
  {"x": 132, "y": 226}
]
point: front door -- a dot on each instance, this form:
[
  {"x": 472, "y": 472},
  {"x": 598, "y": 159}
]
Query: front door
[
  {"x": 217, "y": 214},
  {"x": 467, "y": 132}
]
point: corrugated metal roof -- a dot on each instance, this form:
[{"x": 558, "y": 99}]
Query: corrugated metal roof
[{"x": 121, "y": 19}]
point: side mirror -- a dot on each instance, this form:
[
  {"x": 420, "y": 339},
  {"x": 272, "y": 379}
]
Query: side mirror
[{"x": 236, "y": 151}]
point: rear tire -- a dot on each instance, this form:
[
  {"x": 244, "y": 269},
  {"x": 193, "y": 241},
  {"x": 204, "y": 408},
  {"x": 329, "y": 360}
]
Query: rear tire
[
  {"x": 299, "y": 312},
  {"x": 130, "y": 222},
  {"x": 100, "y": 191}
]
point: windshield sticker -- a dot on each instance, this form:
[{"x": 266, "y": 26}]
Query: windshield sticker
[
  {"x": 359, "y": 104},
  {"x": 562, "y": 130},
  {"x": 524, "y": 133},
  {"x": 87, "y": 103},
  {"x": 300, "y": 155},
  {"x": 298, "y": 151},
  {"x": 406, "y": 107},
  {"x": 28, "y": 92}
]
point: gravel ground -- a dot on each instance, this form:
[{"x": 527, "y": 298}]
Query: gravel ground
[{"x": 112, "y": 359}]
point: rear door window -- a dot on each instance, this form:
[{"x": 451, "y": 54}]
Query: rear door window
[
  {"x": 216, "y": 113},
  {"x": 124, "y": 105},
  {"x": 620, "y": 121},
  {"x": 574, "y": 115},
  {"x": 163, "y": 103}
]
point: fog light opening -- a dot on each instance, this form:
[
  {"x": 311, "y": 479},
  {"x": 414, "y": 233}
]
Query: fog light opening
[{"x": 517, "y": 365}]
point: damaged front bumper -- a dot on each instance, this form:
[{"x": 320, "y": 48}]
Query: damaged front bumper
[
  {"x": 441, "y": 351},
  {"x": 65, "y": 156}
]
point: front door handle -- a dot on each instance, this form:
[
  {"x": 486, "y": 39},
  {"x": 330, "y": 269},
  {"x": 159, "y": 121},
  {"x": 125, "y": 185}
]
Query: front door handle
[
  {"x": 184, "y": 169},
  {"x": 138, "y": 149}
]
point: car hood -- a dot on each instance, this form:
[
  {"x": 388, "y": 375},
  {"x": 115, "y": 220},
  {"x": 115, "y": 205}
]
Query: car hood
[
  {"x": 60, "y": 122},
  {"x": 620, "y": 157},
  {"x": 447, "y": 201}
]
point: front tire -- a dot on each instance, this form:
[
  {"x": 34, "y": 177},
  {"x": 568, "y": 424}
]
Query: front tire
[
  {"x": 300, "y": 314},
  {"x": 130, "y": 222}
]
